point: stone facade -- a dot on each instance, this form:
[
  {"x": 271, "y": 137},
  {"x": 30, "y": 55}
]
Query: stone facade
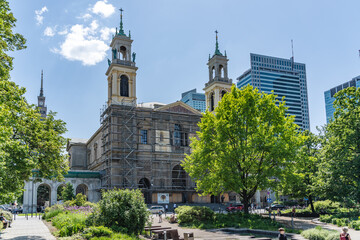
[{"x": 86, "y": 182}]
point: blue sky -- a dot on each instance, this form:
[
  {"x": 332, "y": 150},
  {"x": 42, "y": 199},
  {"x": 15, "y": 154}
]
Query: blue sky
[{"x": 172, "y": 39}]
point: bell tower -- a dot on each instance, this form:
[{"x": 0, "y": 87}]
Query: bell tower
[
  {"x": 121, "y": 73},
  {"x": 219, "y": 83}
]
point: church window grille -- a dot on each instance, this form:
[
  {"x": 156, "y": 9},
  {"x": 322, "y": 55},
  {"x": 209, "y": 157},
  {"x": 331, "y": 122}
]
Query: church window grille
[
  {"x": 124, "y": 86},
  {"x": 143, "y": 136}
]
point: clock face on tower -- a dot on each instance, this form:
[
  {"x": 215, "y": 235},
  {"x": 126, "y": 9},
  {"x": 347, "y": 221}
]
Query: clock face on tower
[{"x": 41, "y": 103}]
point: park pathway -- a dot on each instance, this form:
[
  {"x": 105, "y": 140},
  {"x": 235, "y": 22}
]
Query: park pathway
[{"x": 31, "y": 229}]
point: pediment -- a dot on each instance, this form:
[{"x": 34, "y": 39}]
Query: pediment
[{"x": 178, "y": 107}]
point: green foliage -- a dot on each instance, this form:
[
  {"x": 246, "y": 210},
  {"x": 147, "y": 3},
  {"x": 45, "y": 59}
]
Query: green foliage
[
  {"x": 237, "y": 220},
  {"x": 341, "y": 147},
  {"x": 332, "y": 236},
  {"x": 91, "y": 232},
  {"x": 69, "y": 223},
  {"x": 49, "y": 215},
  {"x": 244, "y": 146},
  {"x": 125, "y": 209},
  {"x": 302, "y": 180},
  {"x": 68, "y": 192},
  {"x": 26, "y": 140},
  {"x": 318, "y": 234},
  {"x": 355, "y": 224},
  {"x": 1, "y": 226},
  {"x": 118, "y": 236},
  {"x": 8, "y": 215},
  {"x": 326, "y": 206},
  {"x": 77, "y": 236},
  {"x": 80, "y": 200},
  {"x": 9, "y": 41},
  {"x": 188, "y": 214}
]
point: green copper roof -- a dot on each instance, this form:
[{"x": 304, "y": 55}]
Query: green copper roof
[{"x": 217, "y": 51}]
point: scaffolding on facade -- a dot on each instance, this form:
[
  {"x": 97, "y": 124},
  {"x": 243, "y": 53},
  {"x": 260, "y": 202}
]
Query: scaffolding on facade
[{"x": 128, "y": 162}]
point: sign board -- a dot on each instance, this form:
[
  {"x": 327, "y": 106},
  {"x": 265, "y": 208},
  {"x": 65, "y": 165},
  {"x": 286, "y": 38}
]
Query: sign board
[
  {"x": 163, "y": 198},
  {"x": 269, "y": 200},
  {"x": 306, "y": 199}
]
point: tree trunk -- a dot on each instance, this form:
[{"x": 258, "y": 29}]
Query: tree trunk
[
  {"x": 246, "y": 203},
  {"x": 311, "y": 204}
]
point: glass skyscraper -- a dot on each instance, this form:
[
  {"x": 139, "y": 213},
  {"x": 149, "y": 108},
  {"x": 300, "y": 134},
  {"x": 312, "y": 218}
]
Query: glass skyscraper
[
  {"x": 329, "y": 96},
  {"x": 194, "y": 99},
  {"x": 285, "y": 78}
]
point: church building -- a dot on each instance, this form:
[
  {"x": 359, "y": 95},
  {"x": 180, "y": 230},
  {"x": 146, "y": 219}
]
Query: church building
[{"x": 138, "y": 146}]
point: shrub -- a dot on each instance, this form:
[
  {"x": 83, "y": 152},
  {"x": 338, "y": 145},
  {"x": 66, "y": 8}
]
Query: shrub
[
  {"x": 326, "y": 206},
  {"x": 326, "y": 218},
  {"x": 8, "y": 215},
  {"x": 1, "y": 226},
  {"x": 77, "y": 236},
  {"x": 122, "y": 208},
  {"x": 100, "y": 231},
  {"x": 68, "y": 192},
  {"x": 317, "y": 234},
  {"x": 332, "y": 236},
  {"x": 188, "y": 214},
  {"x": 69, "y": 223},
  {"x": 48, "y": 215},
  {"x": 355, "y": 224}
]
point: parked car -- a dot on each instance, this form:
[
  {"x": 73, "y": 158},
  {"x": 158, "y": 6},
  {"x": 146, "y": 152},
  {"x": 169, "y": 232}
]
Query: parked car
[
  {"x": 276, "y": 207},
  {"x": 235, "y": 208},
  {"x": 156, "y": 209}
]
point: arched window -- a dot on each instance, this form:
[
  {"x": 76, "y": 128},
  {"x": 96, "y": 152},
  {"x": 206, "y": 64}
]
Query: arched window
[
  {"x": 123, "y": 53},
  {"x": 221, "y": 71},
  {"x": 178, "y": 177},
  {"x": 213, "y": 72},
  {"x": 212, "y": 102},
  {"x": 43, "y": 196},
  {"x": 144, "y": 183},
  {"x": 223, "y": 92},
  {"x": 124, "y": 86},
  {"x": 82, "y": 188}
]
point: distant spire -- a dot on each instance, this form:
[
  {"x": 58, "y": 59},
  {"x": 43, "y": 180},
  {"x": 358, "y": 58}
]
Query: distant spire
[
  {"x": 41, "y": 88},
  {"x": 217, "y": 51},
  {"x": 121, "y": 30}
]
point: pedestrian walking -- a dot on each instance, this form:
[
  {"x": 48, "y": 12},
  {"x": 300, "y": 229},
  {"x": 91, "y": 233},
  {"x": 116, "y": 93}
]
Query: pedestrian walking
[
  {"x": 160, "y": 216},
  {"x": 174, "y": 206},
  {"x": 278, "y": 212},
  {"x": 282, "y": 235},
  {"x": 293, "y": 211},
  {"x": 166, "y": 209},
  {"x": 345, "y": 235}
]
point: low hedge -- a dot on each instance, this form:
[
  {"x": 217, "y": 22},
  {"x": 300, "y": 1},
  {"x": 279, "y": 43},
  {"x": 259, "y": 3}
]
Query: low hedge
[
  {"x": 192, "y": 214},
  {"x": 320, "y": 234}
]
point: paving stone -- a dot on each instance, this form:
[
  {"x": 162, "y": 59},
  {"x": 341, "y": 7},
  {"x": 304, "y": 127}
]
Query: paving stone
[{"x": 31, "y": 229}]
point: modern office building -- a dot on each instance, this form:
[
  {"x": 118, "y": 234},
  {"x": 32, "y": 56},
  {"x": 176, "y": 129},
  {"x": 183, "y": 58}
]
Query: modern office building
[
  {"x": 283, "y": 77},
  {"x": 194, "y": 99},
  {"x": 329, "y": 96}
]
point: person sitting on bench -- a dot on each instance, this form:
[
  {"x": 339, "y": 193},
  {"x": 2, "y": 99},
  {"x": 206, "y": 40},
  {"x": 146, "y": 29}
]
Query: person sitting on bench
[{"x": 5, "y": 222}]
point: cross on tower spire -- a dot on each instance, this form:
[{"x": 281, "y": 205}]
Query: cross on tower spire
[
  {"x": 217, "y": 51},
  {"x": 121, "y": 30}
]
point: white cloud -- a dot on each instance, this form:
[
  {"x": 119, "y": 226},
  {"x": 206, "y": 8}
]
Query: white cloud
[
  {"x": 49, "y": 31},
  {"x": 63, "y": 32},
  {"x": 103, "y": 8},
  {"x": 106, "y": 33},
  {"x": 39, "y": 15},
  {"x": 82, "y": 45},
  {"x": 85, "y": 17}
]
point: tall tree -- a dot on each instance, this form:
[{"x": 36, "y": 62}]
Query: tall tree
[
  {"x": 68, "y": 192},
  {"x": 243, "y": 147},
  {"x": 341, "y": 151},
  {"x": 27, "y": 141},
  {"x": 302, "y": 178}
]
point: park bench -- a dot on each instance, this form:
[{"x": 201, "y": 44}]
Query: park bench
[
  {"x": 170, "y": 234},
  {"x": 158, "y": 230}
]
